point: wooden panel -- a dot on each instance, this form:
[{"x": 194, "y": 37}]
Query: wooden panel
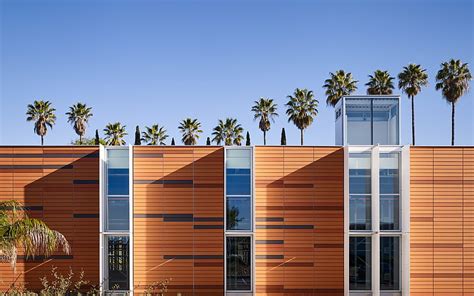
[
  {"x": 299, "y": 214},
  {"x": 441, "y": 221},
  {"x": 179, "y": 217},
  {"x": 59, "y": 185}
]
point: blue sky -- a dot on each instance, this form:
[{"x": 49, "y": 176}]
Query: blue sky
[{"x": 145, "y": 62}]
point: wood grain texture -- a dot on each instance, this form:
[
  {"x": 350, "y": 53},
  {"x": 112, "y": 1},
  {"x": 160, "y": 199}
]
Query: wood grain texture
[
  {"x": 299, "y": 212},
  {"x": 58, "y": 185},
  {"x": 179, "y": 218},
  {"x": 442, "y": 220}
]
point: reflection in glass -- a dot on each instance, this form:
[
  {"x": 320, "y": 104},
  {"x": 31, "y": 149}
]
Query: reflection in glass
[
  {"x": 389, "y": 191},
  {"x": 238, "y": 213},
  {"x": 360, "y": 188},
  {"x": 360, "y": 273},
  {"x": 117, "y": 183},
  {"x": 238, "y": 262},
  {"x": 385, "y": 121},
  {"x": 359, "y": 121},
  {"x": 117, "y": 214},
  {"x": 237, "y": 181},
  {"x": 389, "y": 212},
  {"x": 360, "y": 212},
  {"x": 118, "y": 262},
  {"x": 389, "y": 263}
]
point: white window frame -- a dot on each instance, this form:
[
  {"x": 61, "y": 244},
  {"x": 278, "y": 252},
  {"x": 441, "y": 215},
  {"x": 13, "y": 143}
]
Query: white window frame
[{"x": 375, "y": 233}]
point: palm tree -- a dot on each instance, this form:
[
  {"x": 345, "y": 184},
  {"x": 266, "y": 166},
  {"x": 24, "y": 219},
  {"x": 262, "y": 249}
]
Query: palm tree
[
  {"x": 114, "y": 133},
  {"x": 410, "y": 81},
  {"x": 338, "y": 85},
  {"x": 264, "y": 109},
  {"x": 302, "y": 108},
  {"x": 228, "y": 132},
  {"x": 78, "y": 116},
  {"x": 453, "y": 80},
  {"x": 154, "y": 135},
  {"x": 32, "y": 236},
  {"x": 381, "y": 83},
  {"x": 190, "y": 128},
  {"x": 43, "y": 114}
]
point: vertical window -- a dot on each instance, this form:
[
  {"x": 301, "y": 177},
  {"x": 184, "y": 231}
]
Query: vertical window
[
  {"x": 360, "y": 261},
  {"x": 389, "y": 263},
  {"x": 117, "y": 189},
  {"x": 389, "y": 191},
  {"x": 238, "y": 189},
  {"x": 360, "y": 191},
  {"x": 239, "y": 263},
  {"x": 385, "y": 121},
  {"x": 359, "y": 121},
  {"x": 118, "y": 263}
]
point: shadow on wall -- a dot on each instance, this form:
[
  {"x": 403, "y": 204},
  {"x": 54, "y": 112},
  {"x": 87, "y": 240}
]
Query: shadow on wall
[
  {"x": 63, "y": 191},
  {"x": 179, "y": 219}
]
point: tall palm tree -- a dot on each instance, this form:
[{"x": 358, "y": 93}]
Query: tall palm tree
[
  {"x": 453, "y": 80},
  {"x": 228, "y": 132},
  {"x": 32, "y": 236},
  {"x": 114, "y": 133},
  {"x": 78, "y": 116},
  {"x": 154, "y": 135},
  {"x": 43, "y": 114},
  {"x": 338, "y": 85},
  {"x": 190, "y": 128},
  {"x": 301, "y": 109},
  {"x": 381, "y": 83},
  {"x": 410, "y": 81},
  {"x": 265, "y": 110}
]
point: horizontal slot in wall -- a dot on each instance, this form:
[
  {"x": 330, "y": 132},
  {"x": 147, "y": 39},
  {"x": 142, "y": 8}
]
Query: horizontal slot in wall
[
  {"x": 179, "y": 219},
  {"x": 442, "y": 221},
  {"x": 58, "y": 185},
  {"x": 299, "y": 195}
]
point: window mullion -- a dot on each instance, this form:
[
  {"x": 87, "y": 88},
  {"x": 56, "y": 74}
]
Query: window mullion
[{"x": 375, "y": 221}]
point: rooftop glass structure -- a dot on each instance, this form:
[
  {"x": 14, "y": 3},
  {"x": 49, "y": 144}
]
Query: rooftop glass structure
[{"x": 368, "y": 120}]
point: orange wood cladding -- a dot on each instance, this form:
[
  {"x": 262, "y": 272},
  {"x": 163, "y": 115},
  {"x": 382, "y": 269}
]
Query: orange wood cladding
[
  {"x": 442, "y": 221},
  {"x": 179, "y": 219},
  {"x": 300, "y": 220},
  {"x": 59, "y": 185}
]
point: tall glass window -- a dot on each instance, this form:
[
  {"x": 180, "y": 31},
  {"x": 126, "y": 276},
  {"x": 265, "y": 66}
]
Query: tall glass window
[
  {"x": 117, "y": 189},
  {"x": 389, "y": 180},
  {"x": 118, "y": 267},
  {"x": 360, "y": 190},
  {"x": 360, "y": 261},
  {"x": 389, "y": 263},
  {"x": 385, "y": 121},
  {"x": 238, "y": 189},
  {"x": 359, "y": 121},
  {"x": 239, "y": 263}
]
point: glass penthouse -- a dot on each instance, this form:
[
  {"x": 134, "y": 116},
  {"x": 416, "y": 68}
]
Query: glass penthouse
[{"x": 364, "y": 217}]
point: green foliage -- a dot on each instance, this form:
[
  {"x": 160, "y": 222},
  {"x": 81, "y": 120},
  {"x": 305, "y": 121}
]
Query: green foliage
[
  {"x": 265, "y": 110},
  {"x": 97, "y": 139},
  {"x": 208, "y": 141},
  {"x": 78, "y": 116},
  {"x": 86, "y": 142},
  {"x": 33, "y": 236},
  {"x": 138, "y": 140},
  {"x": 301, "y": 109},
  {"x": 154, "y": 135},
  {"x": 283, "y": 137},
  {"x": 190, "y": 128},
  {"x": 247, "y": 139},
  {"x": 381, "y": 83},
  {"x": 114, "y": 133},
  {"x": 62, "y": 284},
  {"x": 42, "y": 113},
  {"x": 338, "y": 85},
  {"x": 172, "y": 142},
  {"x": 228, "y": 132}
]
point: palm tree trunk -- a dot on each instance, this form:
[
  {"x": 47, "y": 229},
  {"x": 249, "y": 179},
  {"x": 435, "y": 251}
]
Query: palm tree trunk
[
  {"x": 413, "y": 119},
  {"x": 264, "y": 138},
  {"x": 80, "y": 139},
  {"x": 452, "y": 124},
  {"x": 42, "y": 140},
  {"x": 301, "y": 136}
]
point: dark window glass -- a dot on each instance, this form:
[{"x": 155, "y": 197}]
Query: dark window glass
[
  {"x": 118, "y": 262},
  {"x": 389, "y": 181},
  {"x": 239, "y": 264},
  {"x": 238, "y": 213},
  {"x": 389, "y": 263},
  {"x": 117, "y": 214},
  {"x": 238, "y": 181},
  {"x": 360, "y": 212},
  {"x": 360, "y": 274},
  {"x": 360, "y": 181},
  {"x": 118, "y": 181},
  {"x": 389, "y": 212}
]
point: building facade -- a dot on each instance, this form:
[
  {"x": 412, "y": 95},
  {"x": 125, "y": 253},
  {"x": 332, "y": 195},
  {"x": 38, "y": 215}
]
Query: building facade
[{"x": 365, "y": 217}]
